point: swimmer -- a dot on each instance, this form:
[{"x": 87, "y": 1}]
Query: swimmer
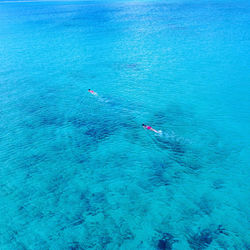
[
  {"x": 92, "y": 92},
  {"x": 150, "y": 128}
]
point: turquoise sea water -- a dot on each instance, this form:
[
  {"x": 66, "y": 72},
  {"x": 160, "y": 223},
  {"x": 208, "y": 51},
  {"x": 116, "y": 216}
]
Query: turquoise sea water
[{"x": 78, "y": 171}]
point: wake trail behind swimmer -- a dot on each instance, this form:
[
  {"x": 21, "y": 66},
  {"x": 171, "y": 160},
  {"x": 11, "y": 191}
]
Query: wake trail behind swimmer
[
  {"x": 167, "y": 140},
  {"x": 114, "y": 104},
  {"x": 102, "y": 99}
]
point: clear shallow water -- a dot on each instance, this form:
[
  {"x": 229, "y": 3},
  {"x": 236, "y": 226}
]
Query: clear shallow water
[{"x": 78, "y": 171}]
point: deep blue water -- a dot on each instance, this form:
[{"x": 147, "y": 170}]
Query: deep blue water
[{"x": 78, "y": 171}]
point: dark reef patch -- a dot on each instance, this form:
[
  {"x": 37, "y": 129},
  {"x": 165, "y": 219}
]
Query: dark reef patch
[
  {"x": 158, "y": 176},
  {"x": 88, "y": 131},
  {"x": 98, "y": 197},
  {"x": 166, "y": 242},
  {"x": 218, "y": 184},
  {"x": 78, "y": 222},
  {"x": 104, "y": 241},
  {"x": 173, "y": 115},
  {"x": 201, "y": 240},
  {"x": 49, "y": 119},
  {"x": 75, "y": 246},
  {"x": 78, "y": 122},
  {"x": 205, "y": 205},
  {"x": 98, "y": 133},
  {"x": 32, "y": 160},
  {"x": 221, "y": 230}
]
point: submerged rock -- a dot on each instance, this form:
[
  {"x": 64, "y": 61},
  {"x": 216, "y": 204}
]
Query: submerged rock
[
  {"x": 166, "y": 242},
  {"x": 75, "y": 246},
  {"x": 201, "y": 240}
]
